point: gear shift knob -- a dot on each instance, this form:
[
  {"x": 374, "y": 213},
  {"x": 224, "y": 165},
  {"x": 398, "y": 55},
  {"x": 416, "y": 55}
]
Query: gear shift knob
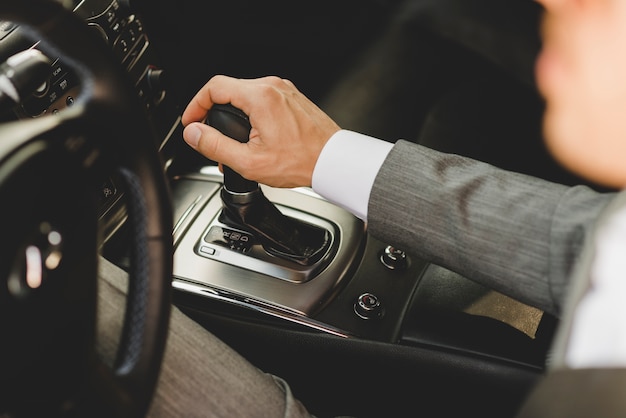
[
  {"x": 234, "y": 123},
  {"x": 246, "y": 207}
]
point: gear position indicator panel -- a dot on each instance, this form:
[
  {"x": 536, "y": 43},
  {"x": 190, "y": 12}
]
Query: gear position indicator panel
[
  {"x": 230, "y": 238},
  {"x": 239, "y": 248}
]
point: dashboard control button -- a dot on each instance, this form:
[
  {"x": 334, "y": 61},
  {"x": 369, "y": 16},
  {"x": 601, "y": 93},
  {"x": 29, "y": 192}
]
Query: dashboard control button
[
  {"x": 41, "y": 90},
  {"x": 393, "y": 258},
  {"x": 6, "y": 28},
  {"x": 156, "y": 78},
  {"x": 368, "y": 306}
]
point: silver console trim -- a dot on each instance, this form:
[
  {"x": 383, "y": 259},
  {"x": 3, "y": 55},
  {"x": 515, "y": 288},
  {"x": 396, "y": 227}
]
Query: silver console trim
[
  {"x": 187, "y": 212},
  {"x": 282, "y": 297},
  {"x": 216, "y": 294}
]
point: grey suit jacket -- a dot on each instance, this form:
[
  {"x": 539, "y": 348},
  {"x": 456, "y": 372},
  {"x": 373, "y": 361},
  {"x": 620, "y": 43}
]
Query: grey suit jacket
[
  {"x": 579, "y": 392},
  {"x": 516, "y": 234}
]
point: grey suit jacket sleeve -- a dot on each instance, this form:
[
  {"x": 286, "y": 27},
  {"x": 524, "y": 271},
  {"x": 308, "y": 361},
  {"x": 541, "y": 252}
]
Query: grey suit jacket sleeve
[{"x": 516, "y": 234}]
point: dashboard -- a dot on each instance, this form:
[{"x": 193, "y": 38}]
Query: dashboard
[{"x": 124, "y": 32}]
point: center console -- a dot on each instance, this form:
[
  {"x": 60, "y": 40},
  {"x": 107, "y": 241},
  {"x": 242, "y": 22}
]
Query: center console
[
  {"x": 293, "y": 256},
  {"x": 216, "y": 261},
  {"x": 366, "y": 289}
]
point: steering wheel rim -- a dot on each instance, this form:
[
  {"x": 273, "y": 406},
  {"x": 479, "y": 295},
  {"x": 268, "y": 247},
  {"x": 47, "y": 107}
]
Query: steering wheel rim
[{"x": 106, "y": 128}]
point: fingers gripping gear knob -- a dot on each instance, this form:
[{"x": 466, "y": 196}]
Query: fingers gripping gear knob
[
  {"x": 234, "y": 123},
  {"x": 246, "y": 207}
]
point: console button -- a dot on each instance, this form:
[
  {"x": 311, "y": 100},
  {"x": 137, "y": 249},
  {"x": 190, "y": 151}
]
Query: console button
[
  {"x": 368, "y": 306},
  {"x": 393, "y": 258}
]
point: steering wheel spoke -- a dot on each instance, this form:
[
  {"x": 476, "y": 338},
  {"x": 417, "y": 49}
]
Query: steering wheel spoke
[{"x": 49, "y": 169}]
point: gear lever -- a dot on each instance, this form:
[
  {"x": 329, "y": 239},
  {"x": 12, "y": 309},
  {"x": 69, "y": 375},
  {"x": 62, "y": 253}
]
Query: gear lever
[{"x": 246, "y": 207}]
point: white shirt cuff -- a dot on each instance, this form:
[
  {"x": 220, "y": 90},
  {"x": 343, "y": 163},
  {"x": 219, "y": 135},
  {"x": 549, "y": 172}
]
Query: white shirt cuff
[
  {"x": 346, "y": 169},
  {"x": 598, "y": 335}
]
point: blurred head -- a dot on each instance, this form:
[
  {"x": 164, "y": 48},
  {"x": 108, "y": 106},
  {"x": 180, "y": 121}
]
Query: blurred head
[{"x": 581, "y": 72}]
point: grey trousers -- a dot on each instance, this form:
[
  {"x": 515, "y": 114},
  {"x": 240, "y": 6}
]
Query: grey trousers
[{"x": 200, "y": 376}]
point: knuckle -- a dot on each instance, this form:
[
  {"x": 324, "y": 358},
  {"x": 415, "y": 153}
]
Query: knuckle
[
  {"x": 288, "y": 82},
  {"x": 274, "y": 89},
  {"x": 268, "y": 90},
  {"x": 273, "y": 80},
  {"x": 216, "y": 79}
]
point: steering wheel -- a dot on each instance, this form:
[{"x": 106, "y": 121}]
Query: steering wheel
[{"x": 50, "y": 168}]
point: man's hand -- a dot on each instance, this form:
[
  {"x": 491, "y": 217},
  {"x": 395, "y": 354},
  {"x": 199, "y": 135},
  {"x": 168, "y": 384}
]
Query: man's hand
[{"x": 287, "y": 136}]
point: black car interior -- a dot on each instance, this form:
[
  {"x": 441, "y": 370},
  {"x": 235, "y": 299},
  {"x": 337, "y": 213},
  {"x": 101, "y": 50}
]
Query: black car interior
[{"x": 355, "y": 325}]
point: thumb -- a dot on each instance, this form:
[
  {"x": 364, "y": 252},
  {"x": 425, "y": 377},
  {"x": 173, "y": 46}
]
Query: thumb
[{"x": 211, "y": 143}]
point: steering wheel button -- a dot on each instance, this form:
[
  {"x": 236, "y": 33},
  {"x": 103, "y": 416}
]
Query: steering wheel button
[
  {"x": 41, "y": 90},
  {"x": 6, "y": 28}
]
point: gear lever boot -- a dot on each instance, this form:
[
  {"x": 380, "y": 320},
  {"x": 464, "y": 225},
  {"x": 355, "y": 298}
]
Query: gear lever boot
[{"x": 246, "y": 207}]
